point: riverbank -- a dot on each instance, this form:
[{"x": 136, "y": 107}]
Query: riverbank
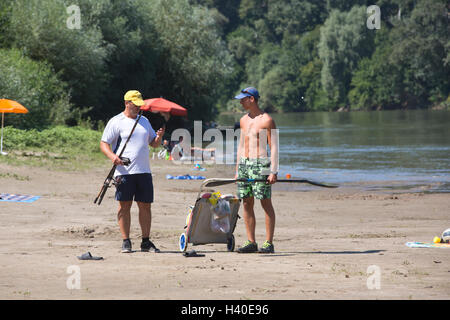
[{"x": 328, "y": 242}]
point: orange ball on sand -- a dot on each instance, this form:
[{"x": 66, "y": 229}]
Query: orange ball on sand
[{"x": 288, "y": 176}]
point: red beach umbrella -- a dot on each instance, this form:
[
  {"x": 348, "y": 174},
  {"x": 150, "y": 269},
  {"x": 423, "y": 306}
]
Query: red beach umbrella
[{"x": 164, "y": 106}]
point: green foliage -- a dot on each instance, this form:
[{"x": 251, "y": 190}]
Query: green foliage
[
  {"x": 162, "y": 48},
  {"x": 242, "y": 43},
  {"x": 5, "y": 12},
  {"x": 228, "y": 10},
  {"x": 345, "y": 5},
  {"x": 56, "y": 139},
  {"x": 344, "y": 41},
  {"x": 193, "y": 54},
  {"x": 290, "y": 17},
  {"x": 58, "y": 147},
  {"x": 133, "y": 58},
  {"x": 408, "y": 68},
  {"x": 39, "y": 28},
  {"x": 314, "y": 96},
  {"x": 421, "y": 48},
  {"x": 303, "y": 55},
  {"x": 376, "y": 83},
  {"x": 252, "y": 10},
  {"x": 34, "y": 85}
]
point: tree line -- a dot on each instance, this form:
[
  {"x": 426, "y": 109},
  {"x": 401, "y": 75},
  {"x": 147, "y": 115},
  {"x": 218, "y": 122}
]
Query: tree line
[{"x": 302, "y": 55}]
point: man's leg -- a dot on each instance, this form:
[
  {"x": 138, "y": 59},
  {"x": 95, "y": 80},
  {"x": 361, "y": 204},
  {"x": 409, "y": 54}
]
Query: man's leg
[
  {"x": 145, "y": 218},
  {"x": 245, "y": 193},
  {"x": 249, "y": 218},
  {"x": 270, "y": 218},
  {"x": 250, "y": 223},
  {"x": 124, "y": 218}
]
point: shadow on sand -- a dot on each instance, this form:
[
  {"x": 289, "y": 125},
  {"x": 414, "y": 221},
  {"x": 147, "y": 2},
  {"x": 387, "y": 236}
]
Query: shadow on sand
[{"x": 282, "y": 253}]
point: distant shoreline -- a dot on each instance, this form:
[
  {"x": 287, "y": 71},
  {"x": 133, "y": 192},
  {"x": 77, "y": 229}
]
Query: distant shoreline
[{"x": 433, "y": 108}]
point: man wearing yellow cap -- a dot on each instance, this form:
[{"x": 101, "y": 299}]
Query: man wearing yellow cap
[{"x": 134, "y": 181}]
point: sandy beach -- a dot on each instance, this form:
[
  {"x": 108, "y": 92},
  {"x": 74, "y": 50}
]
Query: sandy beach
[{"x": 330, "y": 243}]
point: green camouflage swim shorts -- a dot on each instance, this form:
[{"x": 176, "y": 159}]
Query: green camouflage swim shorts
[{"x": 254, "y": 169}]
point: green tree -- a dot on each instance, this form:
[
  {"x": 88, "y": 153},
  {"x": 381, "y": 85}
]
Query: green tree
[
  {"x": 242, "y": 43},
  {"x": 314, "y": 96},
  {"x": 228, "y": 10},
  {"x": 345, "y": 5},
  {"x": 39, "y": 28},
  {"x": 422, "y": 47},
  {"x": 294, "y": 17},
  {"x": 344, "y": 40},
  {"x": 408, "y": 68},
  {"x": 376, "y": 83},
  {"x": 5, "y": 13},
  {"x": 305, "y": 68},
  {"x": 392, "y": 11},
  {"x": 36, "y": 86},
  {"x": 134, "y": 53},
  {"x": 194, "y": 60},
  {"x": 252, "y": 10}
]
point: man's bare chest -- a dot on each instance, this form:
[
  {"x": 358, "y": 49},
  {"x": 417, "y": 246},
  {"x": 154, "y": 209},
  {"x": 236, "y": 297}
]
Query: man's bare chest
[{"x": 254, "y": 127}]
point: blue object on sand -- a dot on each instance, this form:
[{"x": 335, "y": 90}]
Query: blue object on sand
[
  {"x": 427, "y": 245},
  {"x": 17, "y": 198},
  {"x": 185, "y": 177},
  {"x": 198, "y": 167}
]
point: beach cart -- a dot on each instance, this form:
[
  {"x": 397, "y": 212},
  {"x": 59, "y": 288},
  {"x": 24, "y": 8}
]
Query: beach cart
[{"x": 212, "y": 219}]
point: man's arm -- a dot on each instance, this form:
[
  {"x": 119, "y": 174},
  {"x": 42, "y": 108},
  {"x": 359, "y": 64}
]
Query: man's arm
[
  {"x": 240, "y": 149},
  {"x": 272, "y": 138},
  {"x": 159, "y": 135},
  {"x": 106, "y": 149}
]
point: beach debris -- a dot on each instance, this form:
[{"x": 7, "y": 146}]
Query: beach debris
[{"x": 89, "y": 256}]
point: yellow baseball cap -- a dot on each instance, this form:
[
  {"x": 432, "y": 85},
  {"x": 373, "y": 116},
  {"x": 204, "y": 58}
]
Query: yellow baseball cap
[{"x": 135, "y": 97}]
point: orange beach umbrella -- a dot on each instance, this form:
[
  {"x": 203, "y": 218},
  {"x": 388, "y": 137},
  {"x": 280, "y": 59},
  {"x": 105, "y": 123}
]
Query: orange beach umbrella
[{"x": 9, "y": 106}]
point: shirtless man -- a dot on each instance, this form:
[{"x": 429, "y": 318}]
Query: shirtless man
[{"x": 257, "y": 132}]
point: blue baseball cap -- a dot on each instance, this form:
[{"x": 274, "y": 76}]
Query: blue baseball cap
[{"x": 248, "y": 92}]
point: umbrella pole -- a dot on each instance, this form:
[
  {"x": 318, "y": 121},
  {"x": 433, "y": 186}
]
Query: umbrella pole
[{"x": 1, "y": 142}]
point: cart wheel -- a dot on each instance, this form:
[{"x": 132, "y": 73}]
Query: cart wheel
[
  {"x": 183, "y": 242},
  {"x": 230, "y": 243}
]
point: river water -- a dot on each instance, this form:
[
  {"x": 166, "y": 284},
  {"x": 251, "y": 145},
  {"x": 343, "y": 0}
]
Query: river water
[{"x": 380, "y": 150}]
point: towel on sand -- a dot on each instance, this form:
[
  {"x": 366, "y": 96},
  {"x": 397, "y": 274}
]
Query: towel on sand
[
  {"x": 427, "y": 245},
  {"x": 17, "y": 198},
  {"x": 185, "y": 177}
]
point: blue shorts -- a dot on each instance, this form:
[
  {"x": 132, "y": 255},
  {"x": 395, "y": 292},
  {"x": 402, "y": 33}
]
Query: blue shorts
[{"x": 137, "y": 187}]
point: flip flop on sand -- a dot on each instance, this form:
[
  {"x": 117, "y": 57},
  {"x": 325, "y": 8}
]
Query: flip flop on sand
[
  {"x": 88, "y": 256},
  {"x": 192, "y": 253}
]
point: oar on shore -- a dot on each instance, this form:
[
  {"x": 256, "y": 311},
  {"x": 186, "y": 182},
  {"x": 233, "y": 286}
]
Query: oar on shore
[{"x": 215, "y": 182}]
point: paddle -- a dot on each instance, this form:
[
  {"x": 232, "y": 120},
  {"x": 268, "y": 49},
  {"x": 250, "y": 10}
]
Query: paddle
[{"x": 221, "y": 182}]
